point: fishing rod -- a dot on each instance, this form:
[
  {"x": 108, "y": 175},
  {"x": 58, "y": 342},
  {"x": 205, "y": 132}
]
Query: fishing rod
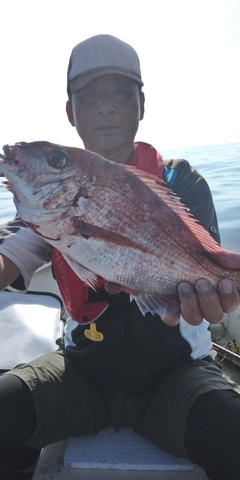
[{"x": 226, "y": 353}]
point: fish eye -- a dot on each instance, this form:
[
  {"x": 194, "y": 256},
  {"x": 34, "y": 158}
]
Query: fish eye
[{"x": 57, "y": 160}]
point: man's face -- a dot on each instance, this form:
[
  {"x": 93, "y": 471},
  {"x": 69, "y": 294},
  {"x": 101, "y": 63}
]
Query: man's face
[{"x": 106, "y": 113}]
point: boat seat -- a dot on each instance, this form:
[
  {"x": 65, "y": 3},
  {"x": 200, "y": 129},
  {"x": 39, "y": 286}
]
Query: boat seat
[{"x": 111, "y": 455}]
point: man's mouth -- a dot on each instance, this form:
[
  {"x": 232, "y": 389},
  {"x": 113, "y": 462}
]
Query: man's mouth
[{"x": 106, "y": 128}]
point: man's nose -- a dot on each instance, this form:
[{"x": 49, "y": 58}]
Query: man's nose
[{"x": 106, "y": 104}]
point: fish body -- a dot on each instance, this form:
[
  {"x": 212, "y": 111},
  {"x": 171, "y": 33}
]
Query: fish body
[{"x": 114, "y": 221}]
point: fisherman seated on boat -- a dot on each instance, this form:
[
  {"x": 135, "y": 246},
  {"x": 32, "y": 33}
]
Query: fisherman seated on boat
[{"x": 118, "y": 367}]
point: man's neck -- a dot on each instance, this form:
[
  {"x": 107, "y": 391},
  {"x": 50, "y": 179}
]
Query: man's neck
[{"x": 121, "y": 155}]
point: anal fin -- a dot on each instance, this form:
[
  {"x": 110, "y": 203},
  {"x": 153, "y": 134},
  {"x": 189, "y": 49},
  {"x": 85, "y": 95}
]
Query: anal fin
[{"x": 156, "y": 304}]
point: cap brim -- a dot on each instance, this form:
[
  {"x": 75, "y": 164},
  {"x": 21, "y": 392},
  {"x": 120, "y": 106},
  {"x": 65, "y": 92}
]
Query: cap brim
[{"x": 79, "y": 82}]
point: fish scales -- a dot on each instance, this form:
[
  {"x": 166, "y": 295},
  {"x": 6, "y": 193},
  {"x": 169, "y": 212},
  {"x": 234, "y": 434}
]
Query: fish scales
[{"x": 112, "y": 220}]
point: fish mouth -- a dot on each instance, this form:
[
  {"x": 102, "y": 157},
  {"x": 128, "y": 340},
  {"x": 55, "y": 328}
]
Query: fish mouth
[
  {"x": 11, "y": 163},
  {"x": 8, "y": 160},
  {"x": 11, "y": 151},
  {"x": 8, "y": 156},
  {"x": 7, "y": 151},
  {"x": 8, "y": 186}
]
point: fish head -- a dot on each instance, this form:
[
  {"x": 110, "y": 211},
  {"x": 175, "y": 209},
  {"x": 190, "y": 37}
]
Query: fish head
[{"x": 44, "y": 178}]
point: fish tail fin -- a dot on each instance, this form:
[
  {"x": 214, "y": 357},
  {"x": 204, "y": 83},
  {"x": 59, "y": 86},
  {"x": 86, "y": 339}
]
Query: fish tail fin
[{"x": 225, "y": 258}]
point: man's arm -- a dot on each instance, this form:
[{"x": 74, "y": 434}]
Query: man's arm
[
  {"x": 23, "y": 252},
  {"x": 8, "y": 272},
  {"x": 10, "y": 228}
]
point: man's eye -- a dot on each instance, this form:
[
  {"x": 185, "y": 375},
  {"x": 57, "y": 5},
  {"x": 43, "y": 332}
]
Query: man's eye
[
  {"x": 121, "y": 92},
  {"x": 87, "y": 96}
]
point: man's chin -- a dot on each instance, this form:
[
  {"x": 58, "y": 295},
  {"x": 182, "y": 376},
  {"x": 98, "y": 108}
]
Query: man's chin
[{"x": 106, "y": 147}]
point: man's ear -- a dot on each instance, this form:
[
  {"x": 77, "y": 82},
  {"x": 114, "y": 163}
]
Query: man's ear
[
  {"x": 70, "y": 113},
  {"x": 142, "y": 102}
]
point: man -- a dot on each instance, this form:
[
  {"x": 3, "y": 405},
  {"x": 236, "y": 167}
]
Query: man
[{"x": 155, "y": 375}]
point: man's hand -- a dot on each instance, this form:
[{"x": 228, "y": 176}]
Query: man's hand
[
  {"x": 203, "y": 301},
  {"x": 197, "y": 301}
]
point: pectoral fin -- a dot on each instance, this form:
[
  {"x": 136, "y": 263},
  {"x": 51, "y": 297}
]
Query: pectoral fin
[
  {"x": 88, "y": 230},
  {"x": 85, "y": 275}
]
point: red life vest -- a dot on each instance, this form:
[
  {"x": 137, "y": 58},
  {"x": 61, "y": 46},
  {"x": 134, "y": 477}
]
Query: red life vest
[{"x": 73, "y": 290}]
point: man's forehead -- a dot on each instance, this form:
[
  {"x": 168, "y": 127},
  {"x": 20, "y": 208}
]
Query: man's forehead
[{"x": 108, "y": 79}]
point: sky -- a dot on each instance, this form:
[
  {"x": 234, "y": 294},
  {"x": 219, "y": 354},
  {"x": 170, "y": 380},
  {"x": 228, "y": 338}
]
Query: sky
[{"x": 190, "y": 61}]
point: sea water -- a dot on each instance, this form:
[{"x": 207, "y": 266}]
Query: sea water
[{"x": 218, "y": 164}]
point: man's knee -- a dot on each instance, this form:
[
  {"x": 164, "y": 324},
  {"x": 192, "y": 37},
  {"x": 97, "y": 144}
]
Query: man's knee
[{"x": 17, "y": 412}]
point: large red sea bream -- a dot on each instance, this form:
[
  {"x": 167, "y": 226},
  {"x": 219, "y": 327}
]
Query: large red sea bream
[{"x": 114, "y": 221}]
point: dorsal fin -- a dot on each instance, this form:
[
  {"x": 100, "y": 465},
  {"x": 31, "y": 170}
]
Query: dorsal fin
[{"x": 227, "y": 259}]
